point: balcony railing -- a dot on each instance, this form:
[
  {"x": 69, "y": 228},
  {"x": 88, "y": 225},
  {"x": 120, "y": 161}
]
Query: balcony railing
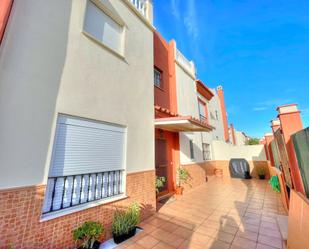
[
  {"x": 203, "y": 118},
  {"x": 182, "y": 60},
  {"x": 67, "y": 191},
  {"x": 141, "y": 6}
]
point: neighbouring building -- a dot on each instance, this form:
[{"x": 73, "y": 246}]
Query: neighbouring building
[
  {"x": 170, "y": 119},
  {"x": 189, "y": 116},
  {"x": 76, "y": 106}
]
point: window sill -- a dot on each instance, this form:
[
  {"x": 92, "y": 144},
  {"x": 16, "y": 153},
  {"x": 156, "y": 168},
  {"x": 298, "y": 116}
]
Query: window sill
[
  {"x": 71, "y": 210},
  {"x": 160, "y": 88},
  {"x": 120, "y": 56}
]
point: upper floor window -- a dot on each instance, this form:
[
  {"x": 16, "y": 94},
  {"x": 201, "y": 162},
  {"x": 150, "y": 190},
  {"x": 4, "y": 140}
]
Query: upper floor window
[
  {"x": 191, "y": 149},
  {"x": 202, "y": 110},
  {"x": 103, "y": 28},
  {"x": 217, "y": 116},
  {"x": 87, "y": 163},
  {"x": 157, "y": 78}
]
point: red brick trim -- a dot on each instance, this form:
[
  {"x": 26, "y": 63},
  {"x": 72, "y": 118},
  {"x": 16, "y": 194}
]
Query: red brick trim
[{"x": 20, "y": 214}]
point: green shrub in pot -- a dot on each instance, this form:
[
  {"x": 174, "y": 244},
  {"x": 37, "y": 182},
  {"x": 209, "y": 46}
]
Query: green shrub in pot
[
  {"x": 88, "y": 233},
  {"x": 160, "y": 181},
  {"x": 125, "y": 221}
]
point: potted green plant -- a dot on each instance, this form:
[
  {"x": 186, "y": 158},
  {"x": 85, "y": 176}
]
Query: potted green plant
[
  {"x": 261, "y": 173},
  {"x": 125, "y": 222},
  {"x": 160, "y": 181},
  {"x": 88, "y": 234},
  {"x": 182, "y": 177}
]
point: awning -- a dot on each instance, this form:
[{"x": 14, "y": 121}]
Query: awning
[{"x": 182, "y": 124}]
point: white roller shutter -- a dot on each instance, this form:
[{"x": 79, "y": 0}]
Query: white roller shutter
[
  {"x": 83, "y": 146},
  {"x": 87, "y": 163}
]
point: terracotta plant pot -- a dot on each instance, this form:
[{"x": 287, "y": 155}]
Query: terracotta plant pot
[
  {"x": 218, "y": 172},
  {"x": 179, "y": 190}
]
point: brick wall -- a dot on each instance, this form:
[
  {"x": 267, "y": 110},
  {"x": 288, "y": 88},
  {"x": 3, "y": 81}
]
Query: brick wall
[{"x": 21, "y": 211}]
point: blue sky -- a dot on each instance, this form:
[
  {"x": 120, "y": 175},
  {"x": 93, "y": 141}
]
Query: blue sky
[{"x": 258, "y": 50}]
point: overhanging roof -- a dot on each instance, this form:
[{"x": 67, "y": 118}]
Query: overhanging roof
[
  {"x": 204, "y": 90},
  {"x": 182, "y": 124}
]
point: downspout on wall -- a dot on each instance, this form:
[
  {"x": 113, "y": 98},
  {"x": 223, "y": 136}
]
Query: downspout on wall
[{"x": 223, "y": 111}]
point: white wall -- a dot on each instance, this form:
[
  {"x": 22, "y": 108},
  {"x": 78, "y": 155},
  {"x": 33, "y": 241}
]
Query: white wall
[
  {"x": 188, "y": 105},
  {"x": 48, "y": 66},
  {"x": 240, "y": 138},
  {"x": 224, "y": 151},
  {"x": 213, "y": 106}
]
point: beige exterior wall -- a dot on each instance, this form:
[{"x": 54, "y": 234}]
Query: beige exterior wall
[
  {"x": 48, "y": 66},
  {"x": 241, "y": 139},
  {"x": 187, "y": 100},
  {"x": 217, "y": 122},
  {"x": 188, "y": 106},
  {"x": 223, "y": 151}
]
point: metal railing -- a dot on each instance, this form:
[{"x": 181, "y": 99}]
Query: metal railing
[
  {"x": 141, "y": 6},
  {"x": 188, "y": 65},
  {"x": 203, "y": 118},
  {"x": 67, "y": 191}
]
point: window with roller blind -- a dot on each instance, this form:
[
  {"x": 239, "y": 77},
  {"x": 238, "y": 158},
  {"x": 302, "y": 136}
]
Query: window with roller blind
[
  {"x": 87, "y": 163},
  {"x": 103, "y": 28}
]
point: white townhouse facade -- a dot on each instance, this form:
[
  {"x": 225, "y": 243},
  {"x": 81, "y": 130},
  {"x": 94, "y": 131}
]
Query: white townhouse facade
[
  {"x": 195, "y": 147},
  {"x": 74, "y": 134}
]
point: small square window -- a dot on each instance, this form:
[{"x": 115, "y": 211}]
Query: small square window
[
  {"x": 157, "y": 78},
  {"x": 191, "y": 149}
]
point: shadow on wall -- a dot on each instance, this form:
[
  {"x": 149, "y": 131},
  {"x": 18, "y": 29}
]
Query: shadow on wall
[{"x": 32, "y": 56}]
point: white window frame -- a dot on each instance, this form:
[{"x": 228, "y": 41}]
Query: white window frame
[
  {"x": 80, "y": 207},
  {"x": 121, "y": 53}
]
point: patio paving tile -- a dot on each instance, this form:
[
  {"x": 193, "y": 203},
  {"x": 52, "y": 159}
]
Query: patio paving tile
[
  {"x": 243, "y": 243},
  {"x": 221, "y": 214},
  {"x": 147, "y": 241},
  {"x": 162, "y": 245},
  {"x": 248, "y": 235},
  {"x": 270, "y": 241}
]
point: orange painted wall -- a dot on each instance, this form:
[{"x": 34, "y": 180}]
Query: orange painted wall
[
  {"x": 224, "y": 116},
  {"x": 233, "y": 134},
  {"x": 298, "y": 229},
  {"x": 173, "y": 158},
  {"x": 290, "y": 124},
  {"x": 164, "y": 61},
  {"x": 5, "y": 9}
]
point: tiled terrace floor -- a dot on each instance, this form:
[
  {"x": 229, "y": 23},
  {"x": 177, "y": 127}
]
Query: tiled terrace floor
[{"x": 221, "y": 214}]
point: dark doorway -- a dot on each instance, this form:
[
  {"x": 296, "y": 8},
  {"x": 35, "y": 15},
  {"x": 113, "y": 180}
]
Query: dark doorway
[{"x": 161, "y": 162}]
